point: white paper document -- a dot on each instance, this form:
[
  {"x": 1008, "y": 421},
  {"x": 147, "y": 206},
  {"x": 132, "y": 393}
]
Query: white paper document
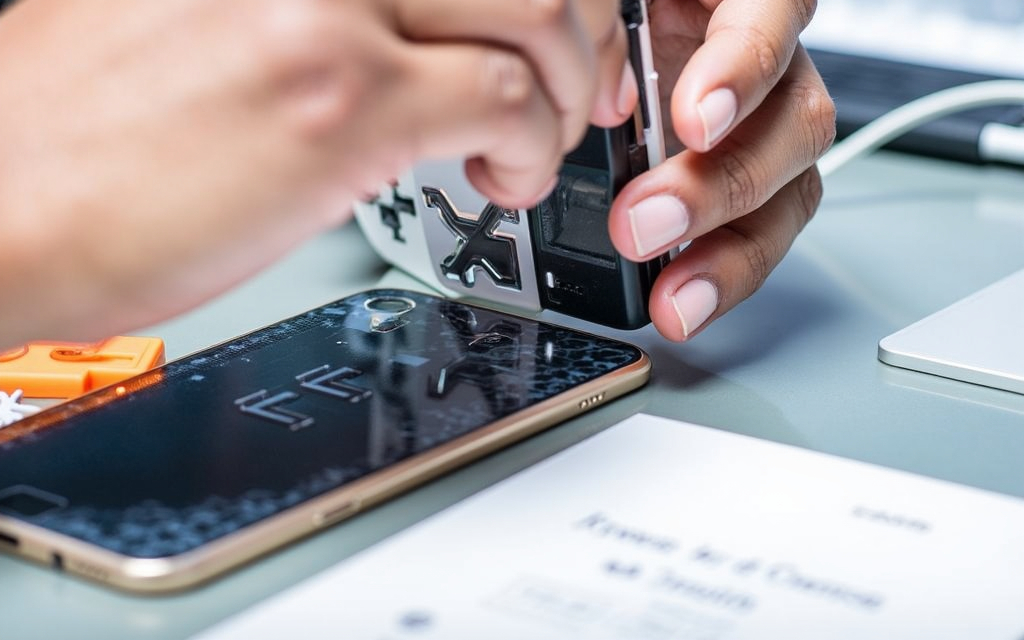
[{"x": 659, "y": 530}]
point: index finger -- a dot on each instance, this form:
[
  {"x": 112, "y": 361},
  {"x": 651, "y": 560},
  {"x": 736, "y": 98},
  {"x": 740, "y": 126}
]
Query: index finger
[
  {"x": 747, "y": 49},
  {"x": 562, "y": 39}
]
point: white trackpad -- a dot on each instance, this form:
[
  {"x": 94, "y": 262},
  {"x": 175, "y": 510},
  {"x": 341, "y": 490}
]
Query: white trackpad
[{"x": 979, "y": 339}]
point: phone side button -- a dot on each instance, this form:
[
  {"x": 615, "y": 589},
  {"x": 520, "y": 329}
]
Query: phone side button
[
  {"x": 337, "y": 513},
  {"x": 592, "y": 401}
]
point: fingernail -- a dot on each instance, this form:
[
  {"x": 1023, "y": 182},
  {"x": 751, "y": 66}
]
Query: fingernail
[
  {"x": 657, "y": 222},
  {"x": 628, "y": 91},
  {"x": 695, "y": 301},
  {"x": 717, "y": 111}
]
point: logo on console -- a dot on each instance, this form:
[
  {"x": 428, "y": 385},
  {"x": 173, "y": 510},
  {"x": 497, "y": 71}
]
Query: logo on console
[{"x": 478, "y": 244}]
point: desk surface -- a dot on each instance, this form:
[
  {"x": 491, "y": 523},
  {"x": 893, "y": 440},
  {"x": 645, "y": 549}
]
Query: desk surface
[{"x": 896, "y": 238}]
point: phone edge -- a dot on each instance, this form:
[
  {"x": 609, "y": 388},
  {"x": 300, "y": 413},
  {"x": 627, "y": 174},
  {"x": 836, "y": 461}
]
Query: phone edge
[{"x": 191, "y": 569}]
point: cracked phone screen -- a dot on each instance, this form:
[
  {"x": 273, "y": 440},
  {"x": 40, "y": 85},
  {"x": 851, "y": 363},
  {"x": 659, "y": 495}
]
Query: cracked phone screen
[{"x": 209, "y": 444}]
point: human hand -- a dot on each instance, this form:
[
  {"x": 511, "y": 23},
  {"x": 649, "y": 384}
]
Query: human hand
[
  {"x": 154, "y": 154},
  {"x": 754, "y": 116}
]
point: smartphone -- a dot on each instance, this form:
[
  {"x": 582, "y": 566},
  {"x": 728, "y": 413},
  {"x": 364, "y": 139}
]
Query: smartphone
[{"x": 170, "y": 478}]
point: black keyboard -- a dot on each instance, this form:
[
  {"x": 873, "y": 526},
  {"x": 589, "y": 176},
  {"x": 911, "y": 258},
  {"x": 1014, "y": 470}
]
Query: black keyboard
[{"x": 865, "y": 88}]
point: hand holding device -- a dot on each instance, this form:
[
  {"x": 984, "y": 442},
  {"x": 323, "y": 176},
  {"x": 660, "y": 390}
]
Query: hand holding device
[
  {"x": 552, "y": 254},
  {"x": 205, "y": 140},
  {"x": 754, "y": 116}
]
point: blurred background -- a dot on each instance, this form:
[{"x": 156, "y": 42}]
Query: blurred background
[{"x": 878, "y": 54}]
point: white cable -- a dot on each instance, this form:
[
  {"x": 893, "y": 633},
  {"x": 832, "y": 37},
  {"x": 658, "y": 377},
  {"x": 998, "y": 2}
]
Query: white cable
[{"x": 931, "y": 107}]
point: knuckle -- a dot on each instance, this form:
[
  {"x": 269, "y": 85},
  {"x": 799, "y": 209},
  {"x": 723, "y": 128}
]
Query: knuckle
[
  {"x": 806, "y": 10},
  {"x": 759, "y": 256},
  {"x": 323, "y": 77},
  {"x": 507, "y": 80},
  {"x": 546, "y": 13},
  {"x": 766, "y": 51},
  {"x": 743, "y": 175},
  {"x": 299, "y": 60},
  {"x": 809, "y": 191},
  {"x": 818, "y": 116},
  {"x": 286, "y": 38}
]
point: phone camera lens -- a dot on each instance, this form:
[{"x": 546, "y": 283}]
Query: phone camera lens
[
  {"x": 386, "y": 312},
  {"x": 390, "y": 304}
]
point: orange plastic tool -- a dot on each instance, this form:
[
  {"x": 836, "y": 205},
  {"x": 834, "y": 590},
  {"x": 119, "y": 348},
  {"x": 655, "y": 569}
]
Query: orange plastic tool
[{"x": 67, "y": 370}]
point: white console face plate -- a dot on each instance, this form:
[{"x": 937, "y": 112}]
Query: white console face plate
[
  {"x": 442, "y": 241},
  {"x": 403, "y": 243}
]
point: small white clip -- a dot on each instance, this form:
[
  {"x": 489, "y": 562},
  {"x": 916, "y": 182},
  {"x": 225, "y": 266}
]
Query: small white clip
[{"x": 12, "y": 410}]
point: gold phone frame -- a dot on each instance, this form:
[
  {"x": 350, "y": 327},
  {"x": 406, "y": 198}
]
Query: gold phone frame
[{"x": 175, "y": 573}]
